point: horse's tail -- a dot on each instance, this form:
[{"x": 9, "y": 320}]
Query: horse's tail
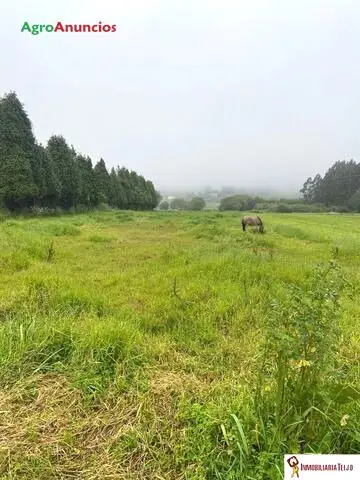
[{"x": 243, "y": 224}]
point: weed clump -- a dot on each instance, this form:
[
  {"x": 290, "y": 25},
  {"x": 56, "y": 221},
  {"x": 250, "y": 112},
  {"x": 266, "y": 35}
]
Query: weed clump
[
  {"x": 300, "y": 354},
  {"x": 300, "y": 400},
  {"x": 50, "y": 252}
]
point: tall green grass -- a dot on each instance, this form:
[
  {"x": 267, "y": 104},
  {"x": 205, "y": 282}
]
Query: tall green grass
[{"x": 173, "y": 345}]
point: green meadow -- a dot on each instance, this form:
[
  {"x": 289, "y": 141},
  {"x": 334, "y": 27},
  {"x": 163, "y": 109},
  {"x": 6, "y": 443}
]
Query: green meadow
[{"x": 173, "y": 345}]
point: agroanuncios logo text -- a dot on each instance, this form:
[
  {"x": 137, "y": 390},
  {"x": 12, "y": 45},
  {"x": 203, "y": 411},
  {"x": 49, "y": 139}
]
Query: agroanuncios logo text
[{"x": 67, "y": 28}]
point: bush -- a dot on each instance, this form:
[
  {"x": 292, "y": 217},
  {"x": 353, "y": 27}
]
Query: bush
[
  {"x": 164, "y": 205},
  {"x": 103, "y": 207},
  {"x": 342, "y": 209},
  {"x": 4, "y": 214},
  {"x": 178, "y": 204},
  {"x": 238, "y": 203},
  {"x": 308, "y": 208},
  {"x": 300, "y": 368},
  {"x": 197, "y": 204},
  {"x": 283, "y": 208}
]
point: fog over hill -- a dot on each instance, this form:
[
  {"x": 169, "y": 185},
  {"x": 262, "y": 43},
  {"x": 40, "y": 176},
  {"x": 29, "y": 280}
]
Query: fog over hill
[{"x": 264, "y": 192}]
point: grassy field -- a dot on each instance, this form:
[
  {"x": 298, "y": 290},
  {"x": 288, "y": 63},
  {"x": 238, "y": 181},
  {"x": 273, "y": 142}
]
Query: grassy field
[{"x": 175, "y": 346}]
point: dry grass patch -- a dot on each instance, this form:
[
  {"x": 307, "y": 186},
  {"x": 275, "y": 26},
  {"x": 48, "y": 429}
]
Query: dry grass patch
[
  {"x": 165, "y": 383},
  {"x": 45, "y": 432}
]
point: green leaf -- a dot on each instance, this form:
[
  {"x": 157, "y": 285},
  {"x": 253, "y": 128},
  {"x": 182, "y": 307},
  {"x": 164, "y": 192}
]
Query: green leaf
[{"x": 341, "y": 395}]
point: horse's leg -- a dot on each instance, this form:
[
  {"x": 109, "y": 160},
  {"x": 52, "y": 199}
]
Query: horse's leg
[{"x": 243, "y": 226}]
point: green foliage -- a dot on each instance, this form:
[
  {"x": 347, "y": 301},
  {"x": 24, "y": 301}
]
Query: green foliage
[
  {"x": 102, "y": 181},
  {"x": 237, "y": 202},
  {"x": 308, "y": 208},
  {"x": 88, "y": 193},
  {"x": 63, "y": 159},
  {"x": 311, "y": 190},
  {"x": 17, "y": 150},
  {"x": 45, "y": 179},
  {"x": 164, "y": 205},
  {"x": 337, "y": 187},
  {"x": 289, "y": 206},
  {"x": 178, "y": 204},
  {"x": 48, "y": 181},
  {"x": 340, "y": 182},
  {"x": 300, "y": 360},
  {"x": 354, "y": 201},
  {"x": 115, "y": 194},
  {"x": 196, "y": 203},
  {"x": 17, "y": 187},
  {"x": 155, "y": 195},
  {"x": 283, "y": 208}
]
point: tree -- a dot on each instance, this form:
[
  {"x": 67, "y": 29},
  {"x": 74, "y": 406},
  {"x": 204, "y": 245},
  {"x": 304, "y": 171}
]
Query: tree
[
  {"x": 340, "y": 182},
  {"x": 17, "y": 153},
  {"x": 131, "y": 194},
  {"x": 94, "y": 196},
  {"x": 196, "y": 203},
  {"x": 139, "y": 192},
  {"x": 56, "y": 175},
  {"x": 178, "y": 204},
  {"x": 316, "y": 193},
  {"x": 17, "y": 189},
  {"x": 86, "y": 180},
  {"x": 146, "y": 196},
  {"x": 337, "y": 186},
  {"x": 312, "y": 189},
  {"x": 50, "y": 187},
  {"x": 102, "y": 181},
  {"x": 125, "y": 187},
  {"x": 237, "y": 202},
  {"x": 116, "y": 197},
  {"x": 164, "y": 205},
  {"x": 306, "y": 190},
  {"x": 154, "y": 195},
  {"x": 64, "y": 161},
  {"x": 283, "y": 208},
  {"x": 354, "y": 202}
]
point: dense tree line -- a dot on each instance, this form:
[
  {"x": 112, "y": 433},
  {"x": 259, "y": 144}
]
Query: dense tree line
[
  {"x": 339, "y": 187},
  {"x": 337, "y": 190},
  {"x": 258, "y": 204},
  {"x": 55, "y": 175}
]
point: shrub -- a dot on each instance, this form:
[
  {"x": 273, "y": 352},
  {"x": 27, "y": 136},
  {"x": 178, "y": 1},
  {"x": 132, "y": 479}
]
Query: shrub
[
  {"x": 300, "y": 360},
  {"x": 283, "y": 208},
  {"x": 164, "y": 205}
]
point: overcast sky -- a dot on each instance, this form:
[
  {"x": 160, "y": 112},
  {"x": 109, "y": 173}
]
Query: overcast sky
[{"x": 193, "y": 92}]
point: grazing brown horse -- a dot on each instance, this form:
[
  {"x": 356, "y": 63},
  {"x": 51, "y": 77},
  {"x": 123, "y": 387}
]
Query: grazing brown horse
[{"x": 252, "y": 221}]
